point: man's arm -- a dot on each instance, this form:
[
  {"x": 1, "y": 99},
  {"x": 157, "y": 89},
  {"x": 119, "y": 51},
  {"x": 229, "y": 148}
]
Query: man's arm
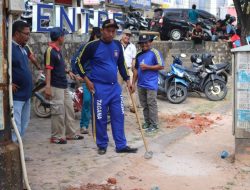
[
  {"x": 135, "y": 75},
  {"x": 134, "y": 52},
  {"x": 158, "y": 60},
  {"x": 84, "y": 56},
  {"x": 34, "y": 61},
  {"x": 47, "y": 92},
  {"x": 32, "y": 57},
  {"x": 48, "y": 66},
  {"x": 82, "y": 61},
  {"x": 151, "y": 67}
]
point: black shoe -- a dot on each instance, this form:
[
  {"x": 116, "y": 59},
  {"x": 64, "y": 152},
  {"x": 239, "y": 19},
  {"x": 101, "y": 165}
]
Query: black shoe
[
  {"x": 102, "y": 151},
  {"x": 127, "y": 149}
]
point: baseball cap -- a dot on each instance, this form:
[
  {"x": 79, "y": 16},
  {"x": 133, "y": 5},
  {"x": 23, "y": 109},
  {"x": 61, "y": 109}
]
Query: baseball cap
[
  {"x": 127, "y": 31},
  {"x": 57, "y": 32},
  {"x": 144, "y": 38},
  {"x": 110, "y": 23}
]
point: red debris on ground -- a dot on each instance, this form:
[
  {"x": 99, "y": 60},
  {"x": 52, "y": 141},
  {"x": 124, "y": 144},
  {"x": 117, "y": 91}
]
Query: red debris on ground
[
  {"x": 198, "y": 122},
  {"x": 109, "y": 186},
  {"x": 112, "y": 180},
  {"x": 90, "y": 186}
]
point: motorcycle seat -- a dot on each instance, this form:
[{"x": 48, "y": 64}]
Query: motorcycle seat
[
  {"x": 219, "y": 66},
  {"x": 192, "y": 70}
]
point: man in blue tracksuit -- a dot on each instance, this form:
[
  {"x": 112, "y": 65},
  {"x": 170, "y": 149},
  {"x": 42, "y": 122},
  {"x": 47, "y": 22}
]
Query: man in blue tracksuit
[
  {"x": 148, "y": 62},
  {"x": 97, "y": 64}
]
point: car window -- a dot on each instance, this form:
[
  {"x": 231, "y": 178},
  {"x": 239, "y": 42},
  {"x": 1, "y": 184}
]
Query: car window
[
  {"x": 205, "y": 15},
  {"x": 173, "y": 13},
  {"x": 185, "y": 14}
]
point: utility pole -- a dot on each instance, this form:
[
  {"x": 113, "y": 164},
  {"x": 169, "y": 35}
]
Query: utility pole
[{"x": 10, "y": 162}]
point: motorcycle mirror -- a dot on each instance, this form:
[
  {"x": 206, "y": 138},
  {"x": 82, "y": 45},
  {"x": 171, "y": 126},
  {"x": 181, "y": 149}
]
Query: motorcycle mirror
[{"x": 183, "y": 55}]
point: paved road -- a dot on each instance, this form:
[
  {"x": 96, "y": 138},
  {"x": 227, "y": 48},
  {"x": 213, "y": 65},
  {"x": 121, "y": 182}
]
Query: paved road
[{"x": 56, "y": 166}]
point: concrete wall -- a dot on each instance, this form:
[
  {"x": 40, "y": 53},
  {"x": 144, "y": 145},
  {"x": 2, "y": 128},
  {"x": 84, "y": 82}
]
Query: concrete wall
[
  {"x": 39, "y": 42},
  {"x": 220, "y": 50}
]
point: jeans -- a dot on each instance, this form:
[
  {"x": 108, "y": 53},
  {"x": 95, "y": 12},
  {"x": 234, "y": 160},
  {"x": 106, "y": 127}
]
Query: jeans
[
  {"x": 22, "y": 117},
  {"x": 86, "y": 113}
]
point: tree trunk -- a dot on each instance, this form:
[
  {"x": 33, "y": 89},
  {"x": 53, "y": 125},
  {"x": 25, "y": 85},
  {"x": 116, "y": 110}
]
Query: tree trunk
[{"x": 243, "y": 13}]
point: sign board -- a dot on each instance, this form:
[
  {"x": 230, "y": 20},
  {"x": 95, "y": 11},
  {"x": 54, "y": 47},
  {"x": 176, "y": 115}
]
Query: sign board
[
  {"x": 242, "y": 91},
  {"x": 67, "y": 18}
]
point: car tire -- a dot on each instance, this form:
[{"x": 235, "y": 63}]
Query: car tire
[{"x": 175, "y": 35}]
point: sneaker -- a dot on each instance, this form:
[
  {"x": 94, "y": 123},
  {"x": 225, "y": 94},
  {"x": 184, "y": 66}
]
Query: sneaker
[
  {"x": 127, "y": 149},
  {"x": 58, "y": 140},
  {"x": 152, "y": 128},
  {"x": 102, "y": 151},
  {"x": 75, "y": 137},
  {"x": 145, "y": 125},
  {"x": 84, "y": 130}
]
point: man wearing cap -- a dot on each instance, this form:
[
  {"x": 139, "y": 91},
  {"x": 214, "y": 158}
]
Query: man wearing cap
[
  {"x": 62, "y": 111},
  {"x": 148, "y": 62},
  {"x": 97, "y": 64},
  {"x": 129, "y": 50}
]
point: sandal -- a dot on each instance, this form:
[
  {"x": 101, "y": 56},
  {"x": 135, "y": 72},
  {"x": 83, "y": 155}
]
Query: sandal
[{"x": 75, "y": 137}]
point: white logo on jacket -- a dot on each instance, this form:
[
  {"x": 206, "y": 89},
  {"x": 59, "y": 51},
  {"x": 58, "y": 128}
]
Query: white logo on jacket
[{"x": 99, "y": 109}]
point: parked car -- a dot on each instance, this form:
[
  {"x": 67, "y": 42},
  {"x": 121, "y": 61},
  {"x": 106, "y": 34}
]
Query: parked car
[
  {"x": 174, "y": 29},
  {"x": 174, "y": 22}
]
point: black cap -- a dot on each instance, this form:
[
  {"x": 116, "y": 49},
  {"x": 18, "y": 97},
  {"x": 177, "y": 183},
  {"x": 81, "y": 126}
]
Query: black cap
[
  {"x": 144, "y": 38},
  {"x": 110, "y": 23}
]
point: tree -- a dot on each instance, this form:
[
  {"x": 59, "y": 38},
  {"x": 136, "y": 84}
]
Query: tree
[{"x": 243, "y": 12}]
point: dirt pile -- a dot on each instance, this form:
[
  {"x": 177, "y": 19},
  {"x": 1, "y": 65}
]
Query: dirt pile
[{"x": 198, "y": 122}]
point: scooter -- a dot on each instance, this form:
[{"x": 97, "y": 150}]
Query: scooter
[
  {"x": 204, "y": 80},
  {"x": 172, "y": 84},
  {"x": 180, "y": 80},
  {"x": 131, "y": 23}
]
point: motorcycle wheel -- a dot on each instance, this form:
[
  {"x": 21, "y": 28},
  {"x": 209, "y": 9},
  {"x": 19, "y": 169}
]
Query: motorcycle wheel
[
  {"x": 176, "y": 94},
  {"x": 39, "y": 109},
  {"x": 216, "y": 90}
]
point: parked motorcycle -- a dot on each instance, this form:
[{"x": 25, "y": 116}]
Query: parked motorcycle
[
  {"x": 143, "y": 23},
  {"x": 222, "y": 69},
  {"x": 176, "y": 77},
  {"x": 180, "y": 80},
  {"x": 42, "y": 106},
  {"x": 131, "y": 23}
]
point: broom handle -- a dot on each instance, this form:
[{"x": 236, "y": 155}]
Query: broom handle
[{"x": 138, "y": 120}]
